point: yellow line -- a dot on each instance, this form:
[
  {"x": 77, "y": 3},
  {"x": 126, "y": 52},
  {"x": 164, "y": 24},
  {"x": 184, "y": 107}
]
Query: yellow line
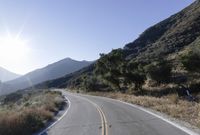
[
  {"x": 105, "y": 123},
  {"x": 102, "y": 120},
  {"x": 103, "y": 117}
]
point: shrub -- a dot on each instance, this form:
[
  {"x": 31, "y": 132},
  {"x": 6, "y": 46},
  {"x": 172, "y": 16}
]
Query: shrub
[
  {"x": 25, "y": 118},
  {"x": 137, "y": 78},
  {"x": 22, "y": 123},
  {"x": 191, "y": 61},
  {"x": 159, "y": 71},
  {"x": 195, "y": 87}
]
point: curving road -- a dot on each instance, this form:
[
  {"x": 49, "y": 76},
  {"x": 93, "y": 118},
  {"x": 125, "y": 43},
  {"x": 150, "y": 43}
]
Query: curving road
[{"x": 88, "y": 115}]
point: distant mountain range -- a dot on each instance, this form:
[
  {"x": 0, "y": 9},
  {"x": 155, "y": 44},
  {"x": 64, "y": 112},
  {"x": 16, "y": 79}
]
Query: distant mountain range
[
  {"x": 6, "y": 75},
  {"x": 52, "y": 71}
]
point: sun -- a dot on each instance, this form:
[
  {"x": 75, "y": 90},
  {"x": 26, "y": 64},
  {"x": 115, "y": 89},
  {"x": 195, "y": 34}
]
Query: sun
[{"x": 13, "y": 48}]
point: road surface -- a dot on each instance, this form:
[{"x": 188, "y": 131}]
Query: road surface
[{"x": 88, "y": 115}]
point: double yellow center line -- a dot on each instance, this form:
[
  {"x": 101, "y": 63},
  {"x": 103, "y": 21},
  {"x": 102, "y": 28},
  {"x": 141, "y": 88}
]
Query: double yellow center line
[{"x": 103, "y": 118}]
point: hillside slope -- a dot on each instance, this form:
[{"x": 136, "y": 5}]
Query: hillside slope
[
  {"x": 163, "y": 54},
  {"x": 168, "y": 36}
]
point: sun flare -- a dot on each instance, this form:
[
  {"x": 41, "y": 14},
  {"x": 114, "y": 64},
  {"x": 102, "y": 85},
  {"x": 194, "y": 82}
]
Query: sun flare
[{"x": 12, "y": 48}]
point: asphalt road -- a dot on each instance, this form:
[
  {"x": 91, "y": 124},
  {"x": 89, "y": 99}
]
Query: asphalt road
[{"x": 89, "y": 115}]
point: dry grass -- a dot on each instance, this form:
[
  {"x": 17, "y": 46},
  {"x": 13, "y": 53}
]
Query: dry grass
[
  {"x": 170, "y": 105},
  {"x": 29, "y": 113}
]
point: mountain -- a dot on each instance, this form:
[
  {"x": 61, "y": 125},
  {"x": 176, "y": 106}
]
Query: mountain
[
  {"x": 65, "y": 80},
  {"x": 168, "y": 36},
  {"x": 166, "y": 53},
  {"x": 52, "y": 71},
  {"x": 6, "y": 75}
]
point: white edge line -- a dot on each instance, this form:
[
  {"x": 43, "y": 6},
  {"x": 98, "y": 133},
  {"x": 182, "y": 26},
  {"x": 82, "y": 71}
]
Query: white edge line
[
  {"x": 184, "y": 129},
  {"x": 53, "y": 124}
]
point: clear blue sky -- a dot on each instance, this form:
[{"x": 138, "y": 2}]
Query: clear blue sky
[{"x": 80, "y": 29}]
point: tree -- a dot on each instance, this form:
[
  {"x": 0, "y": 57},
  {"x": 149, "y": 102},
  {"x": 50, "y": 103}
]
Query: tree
[
  {"x": 136, "y": 78},
  {"x": 90, "y": 83},
  {"x": 191, "y": 61},
  {"x": 159, "y": 71},
  {"x": 112, "y": 81},
  {"x": 108, "y": 68}
]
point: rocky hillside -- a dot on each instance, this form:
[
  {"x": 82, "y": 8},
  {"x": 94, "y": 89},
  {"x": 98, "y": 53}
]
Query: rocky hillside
[
  {"x": 167, "y": 53},
  {"x": 169, "y": 36}
]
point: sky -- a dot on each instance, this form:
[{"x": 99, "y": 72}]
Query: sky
[{"x": 51, "y": 30}]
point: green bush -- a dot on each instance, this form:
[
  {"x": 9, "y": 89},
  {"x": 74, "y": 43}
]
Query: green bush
[
  {"x": 191, "y": 61},
  {"x": 159, "y": 71},
  {"x": 136, "y": 78}
]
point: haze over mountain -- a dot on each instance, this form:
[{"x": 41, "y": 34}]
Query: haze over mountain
[
  {"x": 170, "y": 42},
  {"x": 52, "y": 71},
  {"x": 6, "y": 75}
]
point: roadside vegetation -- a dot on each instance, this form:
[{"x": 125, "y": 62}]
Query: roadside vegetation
[
  {"x": 24, "y": 113},
  {"x": 157, "y": 84},
  {"x": 171, "y": 105}
]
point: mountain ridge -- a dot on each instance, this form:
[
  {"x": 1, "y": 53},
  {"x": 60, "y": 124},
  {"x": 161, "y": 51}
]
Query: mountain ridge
[
  {"x": 49, "y": 72},
  {"x": 169, "y": 31},
  {"x": 6, "y": 75}
]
